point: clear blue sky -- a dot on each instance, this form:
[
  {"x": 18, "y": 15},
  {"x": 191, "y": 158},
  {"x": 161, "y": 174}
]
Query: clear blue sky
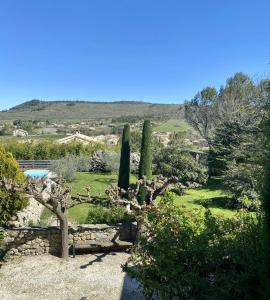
[{"x": 152, "y": 50}]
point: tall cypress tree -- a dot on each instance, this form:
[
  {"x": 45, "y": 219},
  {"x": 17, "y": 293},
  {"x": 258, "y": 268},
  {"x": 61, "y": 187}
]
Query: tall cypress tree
[
  {"x": 145, "y": 167},
  {"x": 124, "y": 169}
]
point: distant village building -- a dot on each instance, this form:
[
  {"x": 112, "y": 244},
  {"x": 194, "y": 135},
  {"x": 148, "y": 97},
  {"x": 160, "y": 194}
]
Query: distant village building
[
  {"x": 20, "y": 132},
  {"x": 46, "y": 130},
  {"x": 84, "y": 139},
  {"x": 162, "y": 137}
]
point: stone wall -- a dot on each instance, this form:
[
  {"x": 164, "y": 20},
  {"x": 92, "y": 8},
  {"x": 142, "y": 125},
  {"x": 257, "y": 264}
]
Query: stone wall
[
  {"x": 46, "y": 240},
  {"x": 31, "y": 213}
]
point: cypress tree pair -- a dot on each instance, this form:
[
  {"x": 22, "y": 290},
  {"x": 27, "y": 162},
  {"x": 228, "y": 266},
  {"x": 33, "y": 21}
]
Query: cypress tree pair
[
  {"x": 124, "y": 169},
  {"x": 145, "y": 166}
]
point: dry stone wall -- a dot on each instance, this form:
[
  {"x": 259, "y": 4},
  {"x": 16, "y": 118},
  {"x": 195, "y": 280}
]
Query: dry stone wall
[
  {"x": 31, "y": 213},
  {"x": 46, "y": 240}
]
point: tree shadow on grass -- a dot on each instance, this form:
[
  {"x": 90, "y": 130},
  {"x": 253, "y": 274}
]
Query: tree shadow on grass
[
  {"x": 107, "y": 181},
  {"x": 215, "y": 202},
  {"x": 214, "y": 183}
]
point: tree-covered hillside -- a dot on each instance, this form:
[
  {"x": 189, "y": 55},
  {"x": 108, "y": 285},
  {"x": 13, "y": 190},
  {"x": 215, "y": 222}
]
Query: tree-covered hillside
[{"x": 80, "y": 110}]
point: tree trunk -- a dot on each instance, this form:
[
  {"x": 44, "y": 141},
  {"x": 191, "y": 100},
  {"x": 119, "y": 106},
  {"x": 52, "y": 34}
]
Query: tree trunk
[{"x": 64, "y": 237}]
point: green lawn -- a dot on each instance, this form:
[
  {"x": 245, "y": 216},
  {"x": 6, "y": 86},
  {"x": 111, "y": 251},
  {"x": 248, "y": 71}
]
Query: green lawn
[
  {"x": 97, "y": 182},
  {"x": 212, "y": 196},
  {"x": 173, "y": 125}
]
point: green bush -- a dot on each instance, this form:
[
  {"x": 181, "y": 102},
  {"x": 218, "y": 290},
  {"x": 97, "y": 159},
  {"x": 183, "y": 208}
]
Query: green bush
[
  {"x": 171, "y": 161},
  {"x": 66, "y": 167},
  {"x": 243, "y": 181},
  {"x": 10, "y": 202},
  {"x": 105, "y": 161},
  {"x": 48, "y": 149},
  {"x": 109, "y": 215},
  {"x": 186, "y": 254}
]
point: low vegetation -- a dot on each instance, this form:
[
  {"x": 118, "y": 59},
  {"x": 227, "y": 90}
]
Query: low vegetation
[
  {"x": 192, "y": 254},
  {"x": 10, "y": 201}
]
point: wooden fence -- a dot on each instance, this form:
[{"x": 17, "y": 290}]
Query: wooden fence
[{"x": 35, "y": 164}]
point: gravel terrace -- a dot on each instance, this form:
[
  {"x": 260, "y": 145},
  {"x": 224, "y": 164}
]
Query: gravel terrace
[{"x": 86, "y": 277}]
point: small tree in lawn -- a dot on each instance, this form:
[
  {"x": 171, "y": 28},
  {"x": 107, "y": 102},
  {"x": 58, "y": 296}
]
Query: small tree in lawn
[
  {"x": 145, "y": 166},
  {"x": 124, "y": 169}
]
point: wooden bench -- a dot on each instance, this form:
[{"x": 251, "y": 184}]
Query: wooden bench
[{"x": 95, "y": 246}]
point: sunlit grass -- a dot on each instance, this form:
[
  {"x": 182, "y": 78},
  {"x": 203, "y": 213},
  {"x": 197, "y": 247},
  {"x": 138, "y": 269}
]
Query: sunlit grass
[
  {"x": 213, "y": 196},
  {"x": 173, "y": 125}
]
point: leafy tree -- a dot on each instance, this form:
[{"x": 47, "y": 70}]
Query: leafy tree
[
  {"x": 10, "y": 201},
  {"x": 124, "y": 169},
  {"x": 201, "y": 111},
  {"x": 266, "y": 190},
  {"x": 172, "y": 161},
  {"x": 235, "y": 138},
  {"x": 239, "y": 100},
  {"x": 145, "y": 167},
  {"x": 243, "y": 180}
]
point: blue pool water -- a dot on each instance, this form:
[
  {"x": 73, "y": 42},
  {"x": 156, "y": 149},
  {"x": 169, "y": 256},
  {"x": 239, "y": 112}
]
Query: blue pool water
[{"x": 35, "y": 173}]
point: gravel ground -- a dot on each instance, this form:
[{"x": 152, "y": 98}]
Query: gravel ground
[{"x": 86, "y": 277}]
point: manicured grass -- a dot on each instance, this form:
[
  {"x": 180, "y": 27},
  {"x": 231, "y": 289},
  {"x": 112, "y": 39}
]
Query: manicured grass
[
  {"x": 173, "y": 125},
  {"x": 98, "y": 184},
  {"x": 79, "y": 213},
  {"x": 212, "y": 196}
]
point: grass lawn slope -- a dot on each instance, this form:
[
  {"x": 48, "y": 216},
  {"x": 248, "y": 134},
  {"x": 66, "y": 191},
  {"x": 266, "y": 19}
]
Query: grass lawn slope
[{"x": 211, "y": 196}]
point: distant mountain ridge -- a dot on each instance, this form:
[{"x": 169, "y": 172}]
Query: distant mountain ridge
[
  {"x": 36, "y": 102},
  {"x": 81, "y": 110}
]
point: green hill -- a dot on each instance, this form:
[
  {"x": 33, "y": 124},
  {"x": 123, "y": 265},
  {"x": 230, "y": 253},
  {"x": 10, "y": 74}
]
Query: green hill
[{"x": 82, "y": 110}]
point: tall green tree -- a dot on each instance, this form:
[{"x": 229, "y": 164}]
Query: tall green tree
[
  {"x": 201, "y": 111},
  {"x": 266, "y": 193},
  {"x": 145, "y": 166},
  {"x": 124, "y": 169}
]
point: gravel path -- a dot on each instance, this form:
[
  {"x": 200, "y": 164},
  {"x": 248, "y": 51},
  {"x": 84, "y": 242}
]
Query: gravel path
[{"x": 86, "y": 277}]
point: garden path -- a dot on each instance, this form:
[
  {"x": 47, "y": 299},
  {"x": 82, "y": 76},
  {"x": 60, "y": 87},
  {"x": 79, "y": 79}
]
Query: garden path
[{"x": 86, "y": 277}]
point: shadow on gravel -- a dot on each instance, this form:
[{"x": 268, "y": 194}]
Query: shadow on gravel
[{"x": 98, "y": 259}]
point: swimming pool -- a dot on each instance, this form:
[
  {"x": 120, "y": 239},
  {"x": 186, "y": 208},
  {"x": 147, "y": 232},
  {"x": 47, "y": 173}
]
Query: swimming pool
[{"x": 36, "y": 173}]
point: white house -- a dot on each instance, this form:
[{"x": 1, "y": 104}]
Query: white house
[
  {"x": 84, "y": 139},
  {"x": 20, "y": 132}
]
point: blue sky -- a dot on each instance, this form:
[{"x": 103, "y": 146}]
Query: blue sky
[{"x": 157, "y": 51}]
